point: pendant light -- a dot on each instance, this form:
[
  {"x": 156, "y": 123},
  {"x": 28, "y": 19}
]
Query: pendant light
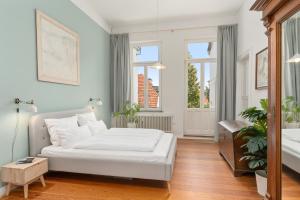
[
  {"x": 295, "y": 58},
  {"x": 158, "y": 65}
]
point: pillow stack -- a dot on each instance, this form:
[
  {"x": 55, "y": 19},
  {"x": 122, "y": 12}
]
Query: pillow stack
[
  {"x": 65, "y": 131},
  {"x": 54, "y": 125},
  {"x": 89, "y": 119}
]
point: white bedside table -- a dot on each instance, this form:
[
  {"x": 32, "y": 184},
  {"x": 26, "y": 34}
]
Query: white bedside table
[{"x": 24, "y": 174}]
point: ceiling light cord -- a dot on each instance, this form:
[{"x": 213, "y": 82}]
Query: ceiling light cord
[
  {"x": 15, "y": 136},
  {"x": 157, "y": 20}
]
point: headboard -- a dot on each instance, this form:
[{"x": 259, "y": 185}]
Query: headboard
[{"x": 38, "y": 132}]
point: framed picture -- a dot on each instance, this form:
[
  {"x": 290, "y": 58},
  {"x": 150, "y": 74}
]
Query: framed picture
[
  {"x": 261, "y": 69},
  {"x": 57, "y": 51}
]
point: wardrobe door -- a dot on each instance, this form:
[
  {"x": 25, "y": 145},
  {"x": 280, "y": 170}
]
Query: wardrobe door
[
  {"x": 280, "y": 18},
  {"x": 290, "y": 107}
]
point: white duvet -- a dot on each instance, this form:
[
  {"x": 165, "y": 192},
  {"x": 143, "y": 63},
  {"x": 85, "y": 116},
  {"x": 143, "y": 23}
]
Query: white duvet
[
  {"x": 122, "y": 139},
  {"x": 291, "y": 140},
  {"x": 291, "y": 134}
]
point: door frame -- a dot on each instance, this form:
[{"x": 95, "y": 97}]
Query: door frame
[{"x": 247, "y": 55}]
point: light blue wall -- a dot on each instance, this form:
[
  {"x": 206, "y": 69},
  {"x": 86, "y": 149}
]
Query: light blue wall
[{"x": 18, "y": 67}]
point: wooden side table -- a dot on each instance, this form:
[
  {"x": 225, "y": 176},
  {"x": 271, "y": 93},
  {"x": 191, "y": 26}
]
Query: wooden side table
[
  {"x": 230, "y": 146},
  {"x": 24, "y": 174}
]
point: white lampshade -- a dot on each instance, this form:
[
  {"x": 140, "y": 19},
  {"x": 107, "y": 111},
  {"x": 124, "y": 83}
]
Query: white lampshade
[
  {"x": 158, "y": 66},
  {"x": 295, "y": 58},
  {"x": 95, "y": 102},
  {"x": 99, "y": 103},
  {"x": 33, "y": 108},
  {"x": 29, "y": 108}
]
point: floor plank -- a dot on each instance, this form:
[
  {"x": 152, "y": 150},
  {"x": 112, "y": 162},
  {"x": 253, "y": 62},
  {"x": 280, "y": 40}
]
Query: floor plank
[
  {"x": 200, "y": 173},
  {"x": 290, "y": 185}
]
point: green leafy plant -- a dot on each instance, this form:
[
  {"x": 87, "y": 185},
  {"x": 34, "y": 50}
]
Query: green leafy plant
[
  {"x": 296, "y": 112},
  {"x": 255, "y": 136},
  {"x": 129, "y": 111},
  {"x": 289, "y": 119},
  {"x": 193, "y": 87},
  {"x": 291, "y": 110}
]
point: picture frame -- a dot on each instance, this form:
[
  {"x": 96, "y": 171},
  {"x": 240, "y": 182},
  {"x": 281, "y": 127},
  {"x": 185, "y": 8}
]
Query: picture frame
[
  {"x": 261, "y": 70},
  {"x": 57, "y": 51}
]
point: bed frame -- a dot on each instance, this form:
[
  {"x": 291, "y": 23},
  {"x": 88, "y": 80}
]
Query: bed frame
[
  {"x": 291, "y": 160},
  {"x": 39, "y": 138}
]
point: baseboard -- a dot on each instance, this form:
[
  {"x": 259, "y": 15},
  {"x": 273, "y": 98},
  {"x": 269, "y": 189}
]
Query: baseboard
[
  {"x": 204, "y": 139},
  {"x": 2, "y": 191}
]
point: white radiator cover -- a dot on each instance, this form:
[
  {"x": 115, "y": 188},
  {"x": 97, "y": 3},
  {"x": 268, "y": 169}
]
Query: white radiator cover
[{"x": 151, "y": 121}]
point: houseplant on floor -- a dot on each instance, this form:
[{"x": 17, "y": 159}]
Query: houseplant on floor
[
  {"x": 255, "y": 147},
  {"x": 291, "y": 113},
  {"x": 129, "y": 111}
]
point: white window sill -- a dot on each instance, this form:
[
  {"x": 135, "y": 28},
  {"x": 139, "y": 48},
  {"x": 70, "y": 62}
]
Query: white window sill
[
  {"x": 200, "y": 109},
  {"x": 151, "y": 111}
]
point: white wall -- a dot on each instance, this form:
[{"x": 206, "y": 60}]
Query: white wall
[
  {"x": 251, "y": 39},
  {"x": 173, "y": 38}
]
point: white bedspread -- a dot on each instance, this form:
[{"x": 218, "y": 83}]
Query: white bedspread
[
  {"x": 292, "y": 134},
  {"x": 123, "y": 139},
  {"x": 159, "y": 154},
  {"x": 291, "y": 140}
]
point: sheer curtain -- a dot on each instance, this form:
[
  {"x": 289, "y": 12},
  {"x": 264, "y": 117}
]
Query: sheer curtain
[
  {"x": 226, "y": 74},
  {"x": 120, "y": 70}
]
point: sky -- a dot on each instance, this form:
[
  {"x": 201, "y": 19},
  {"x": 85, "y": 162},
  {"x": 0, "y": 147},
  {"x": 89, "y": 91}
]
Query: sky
[{"x": 150, "y": 53}]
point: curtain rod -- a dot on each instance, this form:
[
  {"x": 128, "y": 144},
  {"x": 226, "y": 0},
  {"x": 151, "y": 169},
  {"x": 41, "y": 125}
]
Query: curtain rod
[{"x": 174, "y": 29}]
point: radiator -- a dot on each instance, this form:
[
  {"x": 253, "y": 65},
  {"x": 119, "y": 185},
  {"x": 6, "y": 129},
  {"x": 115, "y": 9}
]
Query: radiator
[{"x": 161, "y": 122}]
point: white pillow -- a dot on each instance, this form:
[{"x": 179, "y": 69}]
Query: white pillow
[
  {"x": 63, "y": 123},
  {"x": 83, "y": 119},
  {"x": 69, "y": 137},
  {"x": 97, "y": 127}
]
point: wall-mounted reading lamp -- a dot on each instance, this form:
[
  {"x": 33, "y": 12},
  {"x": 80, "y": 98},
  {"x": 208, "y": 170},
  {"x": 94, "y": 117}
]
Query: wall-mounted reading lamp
[
  {"x": 95, "y": 102},
  {"x": 32, "y": 107}
]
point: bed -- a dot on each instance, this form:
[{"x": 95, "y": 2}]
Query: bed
[
  {"x": 291, "y": 148},
  {"x": 156, "y": 165}
]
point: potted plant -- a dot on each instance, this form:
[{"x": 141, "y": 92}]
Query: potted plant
[
  {"x": 129, "y": 111},
  {"x": 291, "y": 113},
  {"x": 255, "y": 147}
]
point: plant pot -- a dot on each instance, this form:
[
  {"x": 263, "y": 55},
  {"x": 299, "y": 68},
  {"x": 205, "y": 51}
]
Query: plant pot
[
  {"x": 292, "y": 125},
  {"x": 131, "y": 125},
  {"x": 261, "y": 182}
]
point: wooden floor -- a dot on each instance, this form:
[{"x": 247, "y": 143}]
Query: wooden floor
[
  {"x": 290, "y": 185},
  {"x": 200, "y": 173}
]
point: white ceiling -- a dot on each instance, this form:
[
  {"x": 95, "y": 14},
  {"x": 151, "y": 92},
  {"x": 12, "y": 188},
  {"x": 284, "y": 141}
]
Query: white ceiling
[{"x": 127, "y": 12}]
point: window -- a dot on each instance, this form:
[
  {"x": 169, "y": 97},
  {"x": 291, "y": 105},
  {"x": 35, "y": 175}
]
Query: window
[
  {"x": 200, "y": 69},
  {"x": 146, "y": 81}
]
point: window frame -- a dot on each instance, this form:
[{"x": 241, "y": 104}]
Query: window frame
[
  {"x": 146, "y": 65},
  {"x": 202, "y": 62}
]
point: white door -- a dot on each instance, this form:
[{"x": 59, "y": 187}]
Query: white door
[
  {"x": 200, "y": 73},
  {"x": 199, "y": 117}
]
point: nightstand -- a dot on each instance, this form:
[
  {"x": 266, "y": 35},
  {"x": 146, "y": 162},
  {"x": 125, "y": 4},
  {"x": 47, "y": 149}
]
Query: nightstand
[{"x": 24, "y": 174}]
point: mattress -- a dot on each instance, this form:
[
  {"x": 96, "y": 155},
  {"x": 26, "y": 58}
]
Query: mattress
[{"x": 159, "y": 155}]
